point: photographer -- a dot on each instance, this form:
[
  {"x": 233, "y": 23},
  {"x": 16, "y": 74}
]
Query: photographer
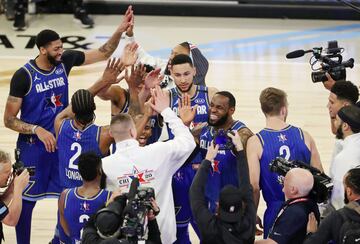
[
  {"x": 104, "y": 226},
  {"x": 291, "y": 221},
  {"x": 11, "y": 200},
  {"x": 335, "y": 226},
  {"x": 235, "y": 220}
]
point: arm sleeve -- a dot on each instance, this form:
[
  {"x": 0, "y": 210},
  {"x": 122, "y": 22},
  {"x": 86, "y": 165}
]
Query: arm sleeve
[
  {"x": 154, "y": 233},
  {"x": 198, "y": 203},
  {"x": 3, "y": 210},
  {"x": 72, "y": 58},
  {"x": 19, "y": 84},
  {"x": 183, "y": 143},
  {"x": 146, "y": 58}
]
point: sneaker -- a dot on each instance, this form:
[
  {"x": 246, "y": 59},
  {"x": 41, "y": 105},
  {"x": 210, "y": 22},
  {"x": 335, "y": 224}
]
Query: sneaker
[
  {"x": 19, "y": 23},
  {"x": 83, "y": 18}
]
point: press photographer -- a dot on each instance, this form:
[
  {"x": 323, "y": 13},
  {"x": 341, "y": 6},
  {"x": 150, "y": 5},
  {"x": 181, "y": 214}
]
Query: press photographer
[
  {"x": 12, "y": 186},
  {"x": 304, "y": 186},
  {"x": 128, "y": 218}
]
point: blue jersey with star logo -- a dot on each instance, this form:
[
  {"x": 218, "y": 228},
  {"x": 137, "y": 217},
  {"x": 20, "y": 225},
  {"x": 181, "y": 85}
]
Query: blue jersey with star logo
[
  {"x": 224, "y": 169},
  {"x": 78, "y": 209},
  {"x": 47, "y": 96},
  {"x": 72, "y": 142},
  {"x": 288, "y": 143}
]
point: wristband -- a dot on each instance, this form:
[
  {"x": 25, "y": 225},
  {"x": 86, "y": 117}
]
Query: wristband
[{"x": 34, "y": 128}]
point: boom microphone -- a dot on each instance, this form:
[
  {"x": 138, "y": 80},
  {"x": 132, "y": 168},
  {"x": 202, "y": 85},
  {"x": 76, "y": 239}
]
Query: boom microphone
[{"x": 297, "y": 54}]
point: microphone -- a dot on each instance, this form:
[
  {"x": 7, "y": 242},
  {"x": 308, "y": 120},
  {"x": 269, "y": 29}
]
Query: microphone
[
  {"x": 297, "y": 54},
  {"x": 133, "y": 189}
]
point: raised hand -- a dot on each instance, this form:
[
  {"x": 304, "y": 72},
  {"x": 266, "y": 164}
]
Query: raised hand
[
  {"x": 153, "y": 79},
  {"x": 113, "y": 69},
  {"x": 148, "y": 111},
  {"x": 312, "y": 224},
  {"x": 127, "y": 20},
  {"x": 129, "y": 55},
  {"x": 135, "y": 78},
  {"x": 130, "y": 29},
  {"x": 47, "y": 138},
  {"x": 161, "y": 99},
  {"x": 212, "y": 152},
  {"x": 21, "y": 181},
  {"x": 236, "y": 140},
  {"x": 186, "y": 112}
]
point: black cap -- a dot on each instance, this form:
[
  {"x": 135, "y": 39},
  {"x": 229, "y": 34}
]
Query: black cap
[
  {"x": 108, "y": 220},
  {"x": 230, "y": 204},
  {"x": 351, "y": 115},
  {"x": 46, "y": 36}
]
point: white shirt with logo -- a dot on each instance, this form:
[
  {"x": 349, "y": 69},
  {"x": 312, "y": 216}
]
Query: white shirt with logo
[{"x": 154, "y": 166}]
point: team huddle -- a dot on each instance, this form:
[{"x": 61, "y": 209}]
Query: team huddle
[{"x": 161, "y": 128}]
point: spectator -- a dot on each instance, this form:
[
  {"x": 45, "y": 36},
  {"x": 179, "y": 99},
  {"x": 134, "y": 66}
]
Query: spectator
[
  {"x": 235, "y": 218},
  {"x": 11, "y": 200},
  {"x": 290, "y": 224},
  {"x": 346, "y": 153},
  {"x": 332, "y": 227}
]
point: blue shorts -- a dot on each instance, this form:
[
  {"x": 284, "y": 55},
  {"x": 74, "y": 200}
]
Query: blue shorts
[{"x": 45, "y": 183}]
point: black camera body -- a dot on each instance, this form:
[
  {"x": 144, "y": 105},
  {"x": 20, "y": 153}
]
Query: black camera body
[
  {"x": 18, "y": 166},
  {"x": 322, "y": 183},
  {"x": 135, "y": 221},
  {"x": 331, "y": 62},
  {"x": 223, "y": 140}
]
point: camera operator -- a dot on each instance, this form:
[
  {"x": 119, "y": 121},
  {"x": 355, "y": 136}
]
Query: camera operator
[
  {"x": 335, "y": 225},
  {"x": 342, "y": 93},
  {"x": 290, "y": 224},
  {"x": 346, "y": 153},
  {"x": 11, "y": 200},
  {"x": 104, "y": 227},
  {"x": 235, "y": 218}
]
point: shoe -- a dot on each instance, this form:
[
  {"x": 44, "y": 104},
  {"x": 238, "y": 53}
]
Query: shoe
[
  {"x": 19, "y": 23},
  {"x": 83, "y": 18}
]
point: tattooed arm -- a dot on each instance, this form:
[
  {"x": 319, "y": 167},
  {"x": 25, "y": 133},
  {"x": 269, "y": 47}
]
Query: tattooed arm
[{"x": 106, "y": 50}]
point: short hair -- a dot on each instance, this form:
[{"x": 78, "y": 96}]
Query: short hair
[
  {"x": 185, "y": 45},
  {"x": 4, "y": 156},
  {"x": 352, "y": 180},
  {"x": 182, "y": 59},
  {"x": 83, "y": 106},
  {"x": 346, "y": 90},
  {"x": 89, "y": 165},
  {"x": 45, "y": 37},
  {"x": 121, "y": 118},
  {"x": 232, "y": 100},
  {"x": 351, "y": 115},
  {"x": 272, "y": 100}
]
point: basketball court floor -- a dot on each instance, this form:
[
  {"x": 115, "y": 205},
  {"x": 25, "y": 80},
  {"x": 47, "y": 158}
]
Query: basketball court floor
[{"x": 246, "y": 56}]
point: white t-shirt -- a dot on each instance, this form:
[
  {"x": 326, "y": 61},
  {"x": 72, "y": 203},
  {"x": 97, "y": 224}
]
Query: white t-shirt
[
  {"x": 346, "y": 156},
  {"x": 154, "y": 165}
]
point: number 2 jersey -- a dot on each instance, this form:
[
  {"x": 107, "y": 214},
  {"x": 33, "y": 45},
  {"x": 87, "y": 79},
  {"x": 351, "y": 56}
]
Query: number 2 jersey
[
  {"x": 72, "y": 142},
  {"x": 288, "y": 143},
  {"x": 78, "y": 209}
]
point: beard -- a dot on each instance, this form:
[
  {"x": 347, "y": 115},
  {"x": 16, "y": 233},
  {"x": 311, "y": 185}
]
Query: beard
[
  {"x": 339, "y": 133},
  {"x": 52, "y": 60},
  {"x": 220, "y": 122},
  {"x": 186, "y": 89}
]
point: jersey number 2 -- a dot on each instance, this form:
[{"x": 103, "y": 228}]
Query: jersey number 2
[
  {"x": 77, "y": 148},
  {"x": 284, "y": 152}
]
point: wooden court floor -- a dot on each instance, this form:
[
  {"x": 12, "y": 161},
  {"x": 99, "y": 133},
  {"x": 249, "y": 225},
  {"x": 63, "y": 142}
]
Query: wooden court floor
[{"x": 246, "y": 56}]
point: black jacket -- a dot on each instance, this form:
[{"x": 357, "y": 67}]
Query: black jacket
[
  {"x": 212, "y": 229},
  {"x": 329, "y": 228}
]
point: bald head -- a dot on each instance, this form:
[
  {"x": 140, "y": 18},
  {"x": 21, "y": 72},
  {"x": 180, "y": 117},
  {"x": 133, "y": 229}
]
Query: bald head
[
  {"x": 122, "y": 127},
  {"x": 298, "y": 183}
]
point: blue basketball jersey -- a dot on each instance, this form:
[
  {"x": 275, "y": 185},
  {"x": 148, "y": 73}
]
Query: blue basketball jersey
[
  {"x": 47, "y": 96},
  {"x": 224, "y": 168},
  {"x": 156, "y": 130},
  {"x": 201, "y": 98},
  {"x": 288, "y": 143},
  {"x": 77, "y": 210},
  {"x": 72, "y": 142}
]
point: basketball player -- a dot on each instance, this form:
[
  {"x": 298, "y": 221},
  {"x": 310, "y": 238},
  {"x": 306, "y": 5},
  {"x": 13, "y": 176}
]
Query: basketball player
[
  {"x": 76, "y": 205},
  {"x": 278, "y": 139},
  {"x": 40, "y": 91},
  {"x": 183, "y": 73}
]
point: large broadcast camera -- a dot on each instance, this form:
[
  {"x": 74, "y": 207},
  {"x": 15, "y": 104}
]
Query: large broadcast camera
[
  {"x": 134, "y": 226},
  {"x": 331, "y": 62},
  {"x": 322, "y": 183}
]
